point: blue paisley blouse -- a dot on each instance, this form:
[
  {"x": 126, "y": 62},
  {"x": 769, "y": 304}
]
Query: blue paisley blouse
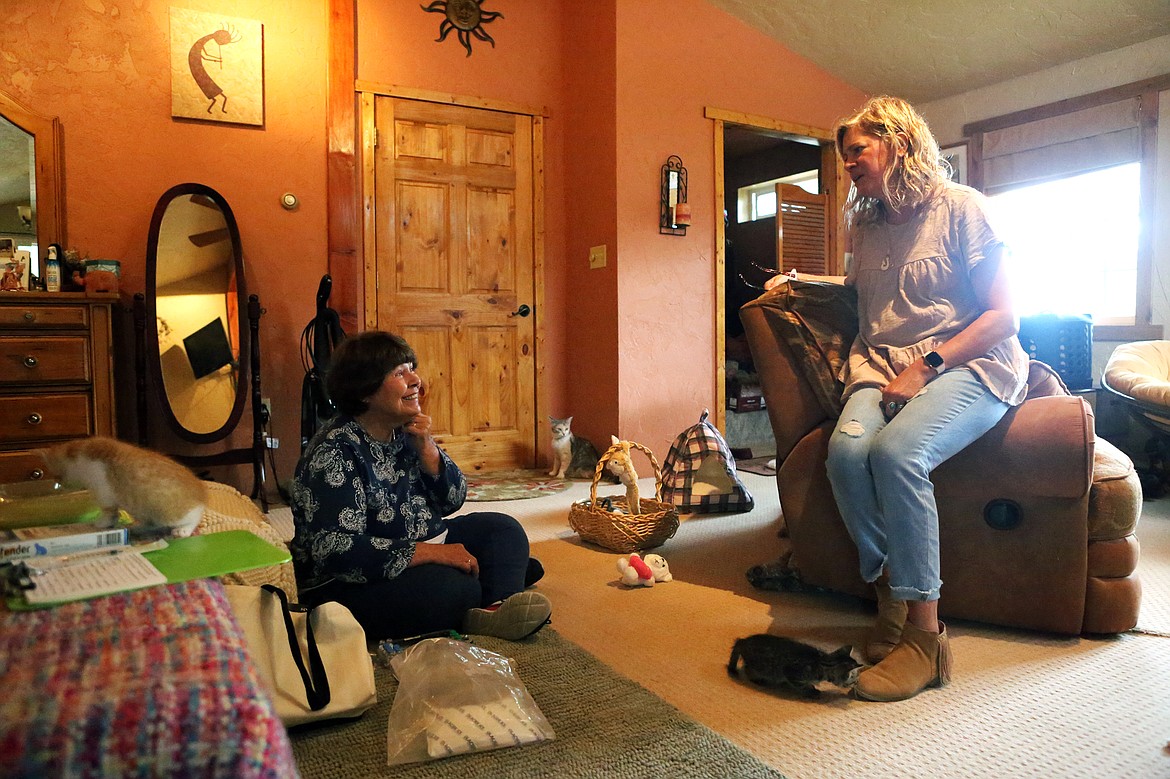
[{"x": 359, "y": 504}]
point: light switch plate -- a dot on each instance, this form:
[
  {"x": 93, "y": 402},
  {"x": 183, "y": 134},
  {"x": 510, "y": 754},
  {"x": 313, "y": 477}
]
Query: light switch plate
[{"x": 596, "y": 257}]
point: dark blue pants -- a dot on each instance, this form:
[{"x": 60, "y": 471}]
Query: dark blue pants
[{"x": 430, "y": 597}]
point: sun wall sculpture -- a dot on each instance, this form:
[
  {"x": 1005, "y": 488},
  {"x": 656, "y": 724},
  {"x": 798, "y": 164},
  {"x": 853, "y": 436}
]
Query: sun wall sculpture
[{"x": 465, "y": 16}]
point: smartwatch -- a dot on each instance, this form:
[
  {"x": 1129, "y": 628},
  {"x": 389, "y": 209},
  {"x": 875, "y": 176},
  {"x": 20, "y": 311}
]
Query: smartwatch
[{"x": 935, "y": 362}]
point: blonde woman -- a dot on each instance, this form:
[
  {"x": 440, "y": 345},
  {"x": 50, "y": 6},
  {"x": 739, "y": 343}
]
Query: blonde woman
[{"x": 935, "y": 365}]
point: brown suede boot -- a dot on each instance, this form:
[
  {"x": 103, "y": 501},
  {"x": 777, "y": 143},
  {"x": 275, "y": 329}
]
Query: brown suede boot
[
  {"x": 886, "y": 632},
  {"x": 921, "y": 659}
]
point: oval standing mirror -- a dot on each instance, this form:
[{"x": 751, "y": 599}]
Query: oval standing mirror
[{"x": 195, "y": 299}]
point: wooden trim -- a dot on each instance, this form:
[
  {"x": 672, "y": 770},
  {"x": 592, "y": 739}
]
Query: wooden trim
[
  {"x": 1060, "y": 107},
  {"x": 429, "y": 96},
  {"x": 1147, "y": 200},
  {"x": 1127, "y": 333},
  {"x": 735, "y": 117},
  {"x": 543, "y": 403},
  {"x": 370, "y": 140},
  {"x": 343, "y": 195},
  {"x": 720, "y": 286}
]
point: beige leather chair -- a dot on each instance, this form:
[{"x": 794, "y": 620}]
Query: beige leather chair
[{"x": 1037, "y": 518}]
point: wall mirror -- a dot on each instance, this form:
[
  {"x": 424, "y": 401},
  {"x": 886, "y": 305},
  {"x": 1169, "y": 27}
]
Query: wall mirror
[
  {"x": 32, "y": 209},
  {"x": 199, "y": 329}
]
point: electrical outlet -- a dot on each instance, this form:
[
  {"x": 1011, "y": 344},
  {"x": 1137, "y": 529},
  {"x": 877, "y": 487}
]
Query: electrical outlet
[
  {"x": 597, "y": 257},
  {"x": 272, "y": 441}
]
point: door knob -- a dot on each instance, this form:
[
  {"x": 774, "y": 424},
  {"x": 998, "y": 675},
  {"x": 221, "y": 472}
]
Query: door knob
[{"x": 524, "y": 310}]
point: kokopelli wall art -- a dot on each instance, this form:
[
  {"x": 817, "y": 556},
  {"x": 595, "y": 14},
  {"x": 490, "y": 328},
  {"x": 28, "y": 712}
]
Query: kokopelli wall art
[{"x": 217, "y": 67}]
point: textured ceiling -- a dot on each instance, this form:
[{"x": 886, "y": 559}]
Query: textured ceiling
[{"x": 925, "y": 50}]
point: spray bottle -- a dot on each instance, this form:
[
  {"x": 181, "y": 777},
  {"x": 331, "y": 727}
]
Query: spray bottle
[{"x": 53, "y": 269}]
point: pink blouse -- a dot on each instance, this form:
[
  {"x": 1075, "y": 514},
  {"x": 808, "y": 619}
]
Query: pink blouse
[{"x": 914, "y": 292}]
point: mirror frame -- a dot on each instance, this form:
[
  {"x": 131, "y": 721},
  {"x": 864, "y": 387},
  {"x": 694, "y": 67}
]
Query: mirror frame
[
  {"x": 46, "y": 132},
  {"x": 154, "y": 360}
]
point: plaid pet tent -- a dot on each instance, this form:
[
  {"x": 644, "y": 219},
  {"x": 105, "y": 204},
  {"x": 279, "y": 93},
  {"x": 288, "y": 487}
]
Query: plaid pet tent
[{"x": 699, "y": 473}]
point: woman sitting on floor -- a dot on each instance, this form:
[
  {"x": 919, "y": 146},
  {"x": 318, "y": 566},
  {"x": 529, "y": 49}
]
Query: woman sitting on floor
[{"x": 371, "y": 500}]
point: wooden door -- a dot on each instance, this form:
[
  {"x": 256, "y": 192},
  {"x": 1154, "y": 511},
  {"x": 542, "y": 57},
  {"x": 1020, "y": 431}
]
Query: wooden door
[
  {"x": 802, "y": 230},
  {"x": 455, "y": 270}
]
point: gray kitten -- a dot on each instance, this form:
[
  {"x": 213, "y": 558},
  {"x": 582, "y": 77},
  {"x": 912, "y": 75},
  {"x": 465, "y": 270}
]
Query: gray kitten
[
  {"x": 773, "y": 661},
  {"x": 159, "y": 494},
  {"x": 573, "y": 457}
]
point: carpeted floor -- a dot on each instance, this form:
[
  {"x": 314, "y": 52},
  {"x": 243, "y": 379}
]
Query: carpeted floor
[
  {"x": 1021, "y": 704},
  {"x": 603, "y": 722}
]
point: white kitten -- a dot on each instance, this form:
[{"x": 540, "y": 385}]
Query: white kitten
[{"x": 153, "y": 489}]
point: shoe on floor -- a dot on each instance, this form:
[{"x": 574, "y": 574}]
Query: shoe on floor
[{"x": 517, "y": 616}]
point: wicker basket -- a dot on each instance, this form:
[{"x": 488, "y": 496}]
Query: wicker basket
[{"x": 622, "y": 532}]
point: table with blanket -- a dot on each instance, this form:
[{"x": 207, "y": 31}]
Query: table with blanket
[{"x": 155, "y": 682}]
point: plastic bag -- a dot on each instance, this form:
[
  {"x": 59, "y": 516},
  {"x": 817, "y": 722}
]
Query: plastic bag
[{"x": 455, "y": 698}]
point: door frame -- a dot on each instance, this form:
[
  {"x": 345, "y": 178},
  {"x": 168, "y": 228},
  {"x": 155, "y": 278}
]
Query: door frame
[
  {"x": 836, "y": 186},
  {"x": 366, "y": 92}
]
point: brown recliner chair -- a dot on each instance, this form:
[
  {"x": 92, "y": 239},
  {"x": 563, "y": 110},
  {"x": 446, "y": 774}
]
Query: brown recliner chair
[{"x": 1036, "y": 518}]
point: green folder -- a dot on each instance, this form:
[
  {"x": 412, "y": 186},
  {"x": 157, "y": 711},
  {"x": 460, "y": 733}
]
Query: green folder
[{"x": 215, "y": 554}]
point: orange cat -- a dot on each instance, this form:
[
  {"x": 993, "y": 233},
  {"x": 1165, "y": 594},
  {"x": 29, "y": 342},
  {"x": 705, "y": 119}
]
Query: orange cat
[{"x": 153, "y": 489}]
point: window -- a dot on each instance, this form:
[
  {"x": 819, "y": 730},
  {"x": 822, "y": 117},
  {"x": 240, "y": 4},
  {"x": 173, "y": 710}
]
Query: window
[
  {"x": 1073, "y": 184},
  {"x": 758, "y": 201},
  {"x": 1074, "y": 243}
]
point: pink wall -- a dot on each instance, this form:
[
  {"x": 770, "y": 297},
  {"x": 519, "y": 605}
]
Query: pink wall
[
  {"x": 104, "y": 69},
  {"x": 667, "y": 75},
  {"x": 629, "y": 349}
]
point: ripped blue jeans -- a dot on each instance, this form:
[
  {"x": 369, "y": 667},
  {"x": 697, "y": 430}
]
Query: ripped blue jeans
[{"x": 880, "y": 473}]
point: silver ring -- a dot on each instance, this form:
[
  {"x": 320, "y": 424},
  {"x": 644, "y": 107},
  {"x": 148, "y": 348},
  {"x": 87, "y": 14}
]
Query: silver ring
[{"x": 892, "y": 406}]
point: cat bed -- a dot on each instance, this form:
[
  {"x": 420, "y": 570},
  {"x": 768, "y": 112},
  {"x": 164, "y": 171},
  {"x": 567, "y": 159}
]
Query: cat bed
[
  {"x": 609, "y": 523},
  {"x": 699, "y": 474},
  {"x": 228, "y": 509}
]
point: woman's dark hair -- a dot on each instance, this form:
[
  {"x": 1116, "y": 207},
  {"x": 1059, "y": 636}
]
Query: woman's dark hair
[{"x": 359, "y": 366}]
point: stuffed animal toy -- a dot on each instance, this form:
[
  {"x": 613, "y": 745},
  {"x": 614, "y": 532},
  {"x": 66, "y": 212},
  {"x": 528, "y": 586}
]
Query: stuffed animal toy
[{"x": 636, "y": 570}]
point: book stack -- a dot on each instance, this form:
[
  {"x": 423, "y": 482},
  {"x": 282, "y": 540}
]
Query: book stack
[{"x": 31, "y": 542}]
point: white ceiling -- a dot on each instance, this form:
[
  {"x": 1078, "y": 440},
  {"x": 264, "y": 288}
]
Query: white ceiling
[{"x": 924, "y": 50}]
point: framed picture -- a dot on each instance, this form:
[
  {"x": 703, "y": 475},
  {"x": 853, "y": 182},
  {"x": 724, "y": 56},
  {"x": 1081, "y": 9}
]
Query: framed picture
[
  {"x": 14, "y": 272},
  {"x": 956, "y": 155},
  {"x": 217, "y": 68}
]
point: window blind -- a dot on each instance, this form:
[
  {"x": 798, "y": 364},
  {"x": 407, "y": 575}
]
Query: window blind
[{"x": 1060, "y": 146}]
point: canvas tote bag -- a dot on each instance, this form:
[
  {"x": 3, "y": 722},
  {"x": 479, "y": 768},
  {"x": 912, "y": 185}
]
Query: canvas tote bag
[{"x": 313, "y": 661}]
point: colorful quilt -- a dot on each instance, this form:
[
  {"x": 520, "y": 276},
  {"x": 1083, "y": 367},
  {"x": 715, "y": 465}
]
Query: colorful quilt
[{"x": 155, "y": 682}]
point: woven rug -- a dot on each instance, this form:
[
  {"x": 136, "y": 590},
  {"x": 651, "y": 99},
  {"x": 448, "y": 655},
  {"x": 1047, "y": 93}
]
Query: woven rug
[
  {"x": 513, "y": 485},
  {"x": 603, "y": 722}
]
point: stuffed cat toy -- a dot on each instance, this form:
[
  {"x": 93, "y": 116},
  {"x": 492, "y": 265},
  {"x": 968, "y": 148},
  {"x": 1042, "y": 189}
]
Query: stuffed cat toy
[
  {"x": 160, "y": 495},
  {"x": 774, "y": 661},
  {"x": 573, "y": 457}
]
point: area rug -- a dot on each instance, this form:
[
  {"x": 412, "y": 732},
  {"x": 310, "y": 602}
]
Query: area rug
[
  {"x": 603, "y": 722},
  {"x": 512, "y": 485}
]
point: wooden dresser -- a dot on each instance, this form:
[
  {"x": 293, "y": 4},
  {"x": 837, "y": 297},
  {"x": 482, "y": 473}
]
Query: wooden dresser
[{"x": 56, "y": 374}]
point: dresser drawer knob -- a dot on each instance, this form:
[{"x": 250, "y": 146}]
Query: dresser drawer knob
[
  {"x": 36, "y": 475},
  {"x": 30, "y": 361},
  {"x": 29, "y": 316},
  {"x": 34, "y": 418}
]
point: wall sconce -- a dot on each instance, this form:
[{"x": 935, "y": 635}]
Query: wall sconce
[
  {"x": 25, "y": 214},
  {"x": 673, "y": 212}
]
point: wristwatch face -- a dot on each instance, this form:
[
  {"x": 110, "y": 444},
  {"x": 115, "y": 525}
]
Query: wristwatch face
[{"x": 934, "y": 360}]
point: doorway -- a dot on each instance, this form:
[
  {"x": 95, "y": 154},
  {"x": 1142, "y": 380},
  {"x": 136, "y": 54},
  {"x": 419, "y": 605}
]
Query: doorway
[{"x": 760, "y": 162}]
